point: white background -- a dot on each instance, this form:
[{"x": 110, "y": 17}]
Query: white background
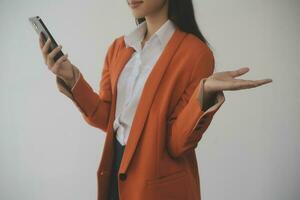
[{"x": 249, "y": 152}]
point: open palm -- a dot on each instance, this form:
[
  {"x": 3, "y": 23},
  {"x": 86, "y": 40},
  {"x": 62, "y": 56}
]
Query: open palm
[{"x": 227, "y": 80}]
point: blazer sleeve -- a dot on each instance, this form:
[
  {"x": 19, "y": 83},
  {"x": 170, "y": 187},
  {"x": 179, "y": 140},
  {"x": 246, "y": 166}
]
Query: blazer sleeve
[
  {"x": 190, "y": 119},
  {"x": 94, "y": 107}
]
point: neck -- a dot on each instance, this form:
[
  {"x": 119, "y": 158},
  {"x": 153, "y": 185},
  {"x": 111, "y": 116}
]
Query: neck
[{"x": 155, "y": 20}]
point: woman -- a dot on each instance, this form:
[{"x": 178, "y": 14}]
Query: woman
[{"x": 158, "y": 107}]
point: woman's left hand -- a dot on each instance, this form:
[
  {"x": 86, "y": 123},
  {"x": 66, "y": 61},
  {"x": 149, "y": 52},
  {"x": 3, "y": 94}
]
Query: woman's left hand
[{"x": 226, "y": 81}]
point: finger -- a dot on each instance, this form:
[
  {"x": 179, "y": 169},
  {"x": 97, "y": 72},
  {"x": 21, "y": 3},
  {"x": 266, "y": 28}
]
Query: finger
[
  {"x": 45, "y": 50},
  {"x": 239, "y": 71},
  {"x": 256, "y": 82},
  {"x": 46, "y": 47},
  {"x": 262, "y": 82},
  {"x": 61, "y": 59},
  {"x": 42, "y": 37},
  {"x": 54, "y": 52},
  {"x": 42, "y": 40},
  {"x": 41, "y": 43},
  {"x": 246, "y": 84},
  {"x": 57, "y": 64}
]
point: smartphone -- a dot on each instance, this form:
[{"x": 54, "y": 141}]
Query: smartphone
[{"x": 41, "y": 28}]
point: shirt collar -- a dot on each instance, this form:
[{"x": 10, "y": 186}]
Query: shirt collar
[{"x": 164, "y": 33}]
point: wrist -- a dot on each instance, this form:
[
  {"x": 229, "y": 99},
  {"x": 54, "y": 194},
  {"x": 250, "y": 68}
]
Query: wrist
[
  {"x": 75, "y": 74},
  {"x": 206, "y": 97}
]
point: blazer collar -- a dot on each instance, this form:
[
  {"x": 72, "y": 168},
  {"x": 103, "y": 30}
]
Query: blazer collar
[{"x": 163, "y": 34}]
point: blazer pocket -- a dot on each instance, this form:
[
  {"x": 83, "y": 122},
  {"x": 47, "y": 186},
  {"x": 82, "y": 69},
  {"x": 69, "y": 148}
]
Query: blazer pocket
[
  {"x": 173, "y": 186},
  {"x": 172, "y": 177}
]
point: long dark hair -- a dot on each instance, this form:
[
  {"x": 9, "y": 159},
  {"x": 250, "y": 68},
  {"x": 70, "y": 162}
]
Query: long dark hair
[{"x": 181, "y": 12}]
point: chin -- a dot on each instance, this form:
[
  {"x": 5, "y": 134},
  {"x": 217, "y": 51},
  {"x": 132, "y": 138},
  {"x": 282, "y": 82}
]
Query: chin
[
  {"x": 139, "y": 12},
  {"x": 138, "y": 15}
]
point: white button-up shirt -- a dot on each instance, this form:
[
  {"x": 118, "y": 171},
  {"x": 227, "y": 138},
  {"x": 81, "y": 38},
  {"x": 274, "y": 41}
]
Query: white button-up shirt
[{"x": 134, "y": 75}]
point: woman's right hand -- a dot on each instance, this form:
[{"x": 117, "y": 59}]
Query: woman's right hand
[{"x": 63, "y": 68}]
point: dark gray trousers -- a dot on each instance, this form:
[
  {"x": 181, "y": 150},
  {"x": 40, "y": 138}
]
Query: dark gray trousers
[{"x": 119, "y": 149}]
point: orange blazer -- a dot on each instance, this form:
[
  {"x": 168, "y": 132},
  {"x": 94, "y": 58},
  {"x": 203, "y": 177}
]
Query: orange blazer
[{"x": 159, "y": 161}]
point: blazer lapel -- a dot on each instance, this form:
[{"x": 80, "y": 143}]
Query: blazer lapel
[
  {"x": 123, "y": 57},
  {"x": 148, "y": 92}
]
